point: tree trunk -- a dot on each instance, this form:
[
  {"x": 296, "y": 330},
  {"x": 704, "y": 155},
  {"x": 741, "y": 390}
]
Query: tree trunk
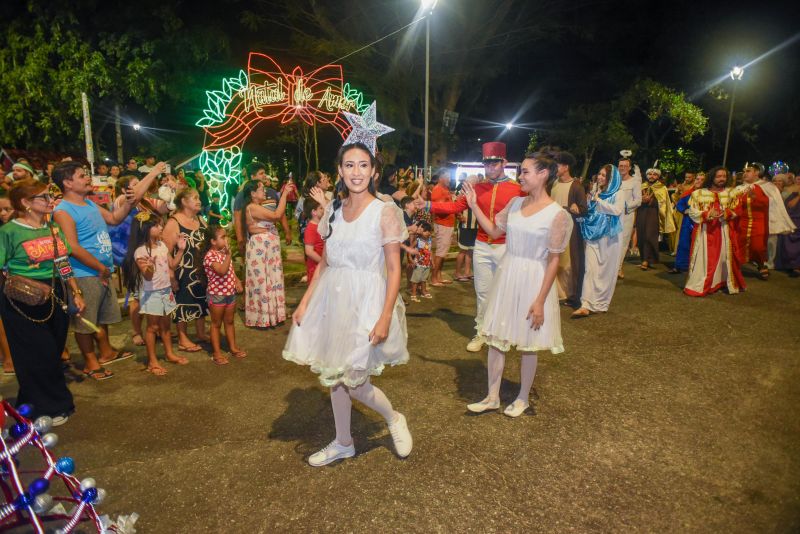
[
  {"x": 118, "y": 128},
  {"x": 588, "y": 154}
]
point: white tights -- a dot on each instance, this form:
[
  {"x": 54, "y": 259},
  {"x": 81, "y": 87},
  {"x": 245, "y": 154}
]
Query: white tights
[
  {"x": 366, "y": 394},
  {"x": 527, "y": 371}
]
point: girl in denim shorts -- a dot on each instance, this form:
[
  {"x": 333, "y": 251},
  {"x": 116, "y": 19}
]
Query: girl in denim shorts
[{"x": 148, "y": 265}]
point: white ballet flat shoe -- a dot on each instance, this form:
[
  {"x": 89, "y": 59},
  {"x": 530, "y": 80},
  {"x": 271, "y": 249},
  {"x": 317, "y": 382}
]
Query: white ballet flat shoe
[
  {"x": 403, "y": 443},
  {"x": 516, "y": 408},
  {"x": 332, "y": 452},
  {"x": 476, "y": 343},
  {"x": 484, "y": 405}
]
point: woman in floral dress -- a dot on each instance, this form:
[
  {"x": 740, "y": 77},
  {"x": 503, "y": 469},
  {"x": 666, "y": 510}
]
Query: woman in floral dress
[{"x": 265, "y": 302}]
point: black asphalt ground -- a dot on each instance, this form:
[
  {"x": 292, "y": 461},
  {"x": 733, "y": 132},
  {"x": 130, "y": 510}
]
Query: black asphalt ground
[{"x": 667, "y": 414}]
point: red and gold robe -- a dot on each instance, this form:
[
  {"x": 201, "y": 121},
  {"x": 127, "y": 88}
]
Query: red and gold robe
[
  {"x": 752, "y": 226},
  {"x": 713, "y": 260}
]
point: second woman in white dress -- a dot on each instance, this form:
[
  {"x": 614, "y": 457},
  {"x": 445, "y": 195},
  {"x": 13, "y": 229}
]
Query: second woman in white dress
[
  {"x": 351, "y": 322},
  {"x": 522, "y": 306}
]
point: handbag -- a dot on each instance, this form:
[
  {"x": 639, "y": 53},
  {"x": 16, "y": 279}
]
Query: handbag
[{"x": 32, "y": 292}]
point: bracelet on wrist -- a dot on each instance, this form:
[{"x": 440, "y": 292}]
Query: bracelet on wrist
[{"x": 76, "y": 292}]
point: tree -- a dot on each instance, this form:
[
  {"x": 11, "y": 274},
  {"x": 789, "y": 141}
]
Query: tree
[
  {"x": 50, "y": 52},
  {"x": 642, "y": 119}
]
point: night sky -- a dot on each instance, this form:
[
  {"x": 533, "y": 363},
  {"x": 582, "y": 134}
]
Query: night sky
[{"x": 604, "y": 47}]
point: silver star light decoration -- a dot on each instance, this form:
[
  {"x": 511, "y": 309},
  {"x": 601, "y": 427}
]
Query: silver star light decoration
[{"x": 366, "y": 128}]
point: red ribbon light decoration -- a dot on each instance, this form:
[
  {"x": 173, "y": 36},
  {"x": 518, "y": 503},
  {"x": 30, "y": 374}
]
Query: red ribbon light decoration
[{"x": 273, "y": 94}]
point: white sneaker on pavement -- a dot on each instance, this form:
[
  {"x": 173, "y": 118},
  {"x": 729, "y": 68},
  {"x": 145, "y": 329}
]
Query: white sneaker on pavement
[
  {"x": 484, "y": 405},
  {"x": 476, "y": 344},
  {"x": 332, "y": 452},
  {"x": 516, "y": 408},
  {"x": 401, "y": 436}
]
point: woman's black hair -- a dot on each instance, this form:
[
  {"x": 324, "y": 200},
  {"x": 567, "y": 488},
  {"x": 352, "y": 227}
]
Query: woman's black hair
[
  {"x": 341, "y": 192},
  {"x": 140, "y": 235},
  {"x": 546, "y": 159},
  {"x": 247, "y": 193}
]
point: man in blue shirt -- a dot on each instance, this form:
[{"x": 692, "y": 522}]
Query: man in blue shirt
[{"x": 84, "y": 224}]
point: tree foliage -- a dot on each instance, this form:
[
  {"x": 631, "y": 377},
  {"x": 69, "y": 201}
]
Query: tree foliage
[
  {"x": 51, "y": 51},
  {"x": 643, "y": 118}
]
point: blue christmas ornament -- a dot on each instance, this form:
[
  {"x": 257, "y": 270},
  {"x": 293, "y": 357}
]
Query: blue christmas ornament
[
  {"x": 65, "y": 465},
  {"x": 23, "y": 500},
  {"x": 89, "y": 495},
  {"x": 19, "y": 429},
  {"x": 38, "y": 486},
  {"x": 25, "y": 410}
]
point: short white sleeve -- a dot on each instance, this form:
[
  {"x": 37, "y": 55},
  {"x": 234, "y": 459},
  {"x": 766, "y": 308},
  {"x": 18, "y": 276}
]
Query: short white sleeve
[
  {"x": 393, "y": 226},
  {"x": 501, "y": 219},
  {"x": 560, "y": 231}
]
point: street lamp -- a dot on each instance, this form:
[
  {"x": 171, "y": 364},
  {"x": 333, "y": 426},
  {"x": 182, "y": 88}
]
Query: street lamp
[
  {"x": 137, "y": 126},
  {"x": 736, "y": 74},
  {"x": 509, "y": 125},
  {"x": 427, "y": 7}
]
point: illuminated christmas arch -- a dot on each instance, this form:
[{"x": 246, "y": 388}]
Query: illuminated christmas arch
[{"x": 266, "y": 92}]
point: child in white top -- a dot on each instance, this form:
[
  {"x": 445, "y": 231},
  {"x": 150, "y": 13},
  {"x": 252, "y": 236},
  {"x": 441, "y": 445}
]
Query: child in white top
[{"x": 149, "y": 263}]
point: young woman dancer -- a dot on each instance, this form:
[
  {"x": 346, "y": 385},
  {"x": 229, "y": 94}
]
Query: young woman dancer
[
  {"x": 351, "y": 322},
  {"x": 522, "y": 306}
]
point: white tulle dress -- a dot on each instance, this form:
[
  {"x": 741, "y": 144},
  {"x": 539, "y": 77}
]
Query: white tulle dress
[
  {"x": 519, "y": 277},
  {"x": 333, "y": 337}
]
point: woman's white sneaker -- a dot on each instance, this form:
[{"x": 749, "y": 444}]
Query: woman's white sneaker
[
  {"x": 516, "y": 408},
  {"x": 332, "y": 452},
  {"x": 484, "y": 405},
  {"x": 401, "y": 436},
  {"x": 476, "y": 343}
]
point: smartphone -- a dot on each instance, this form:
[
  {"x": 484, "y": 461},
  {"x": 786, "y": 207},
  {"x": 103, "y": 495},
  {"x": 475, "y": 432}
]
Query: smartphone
[{"x": 169, "y": 169}]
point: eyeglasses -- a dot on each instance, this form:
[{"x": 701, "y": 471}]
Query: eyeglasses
[{"x": 46, "y": 197}]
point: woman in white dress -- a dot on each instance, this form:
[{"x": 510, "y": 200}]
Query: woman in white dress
[
  {"x": 631, "y": 197},
  {"x": 351, "y": 321},
  {"x": 522, "y": 305},
  {"x": 602, "y": 231}
]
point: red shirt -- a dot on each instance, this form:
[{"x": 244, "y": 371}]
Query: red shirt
[
  {"x": 440, "y": 193},
  {"x": 219, "y": 285},
  {"x": 492, "y": 198},
  {"x": 311, "y": 237}
]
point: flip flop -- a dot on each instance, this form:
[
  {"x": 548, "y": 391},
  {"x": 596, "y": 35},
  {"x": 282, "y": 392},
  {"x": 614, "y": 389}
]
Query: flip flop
[
  {"x": 576, "y": 315},
  {"x": 194, "y": 348},
  {"x": 118, "y": 357},
  {"x": 437, "y": 284},
  {"x": 427, "y": 296},
  {"x": 156, "y": 371},
  {"x": 98, "y": 374},
  {"x": 462, "y": 279},
  {"x": 239, "y": 354},
  {"x": 179, "y": 361},
  {"x": 140, "y": 342},
  {"x": 447, "y": 282},
  {"x": 222, "y": 360}
]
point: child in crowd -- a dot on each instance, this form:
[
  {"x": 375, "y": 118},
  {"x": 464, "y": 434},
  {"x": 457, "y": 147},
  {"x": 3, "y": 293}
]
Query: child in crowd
[
  {"x": 223, "y": 285},
  {"x": 422, "y": 262},
  {"x": 314, "y": 244},
  {"x": 214, "y": 211},
  {"x": 6, "y": 211},
  {"x": 168, "y": 190},
  {"x": 148, "y": 263},
  {"x": 409, "y": 210}
]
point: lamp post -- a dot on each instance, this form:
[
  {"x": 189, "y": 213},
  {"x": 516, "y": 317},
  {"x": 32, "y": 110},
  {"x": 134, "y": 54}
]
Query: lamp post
[
  {"x": 429, "y": 6},
  {"x": 736, "y": 75}
]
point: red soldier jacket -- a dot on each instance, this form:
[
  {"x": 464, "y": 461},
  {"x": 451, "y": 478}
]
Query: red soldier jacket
[{"x": 492, "y": 197}]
